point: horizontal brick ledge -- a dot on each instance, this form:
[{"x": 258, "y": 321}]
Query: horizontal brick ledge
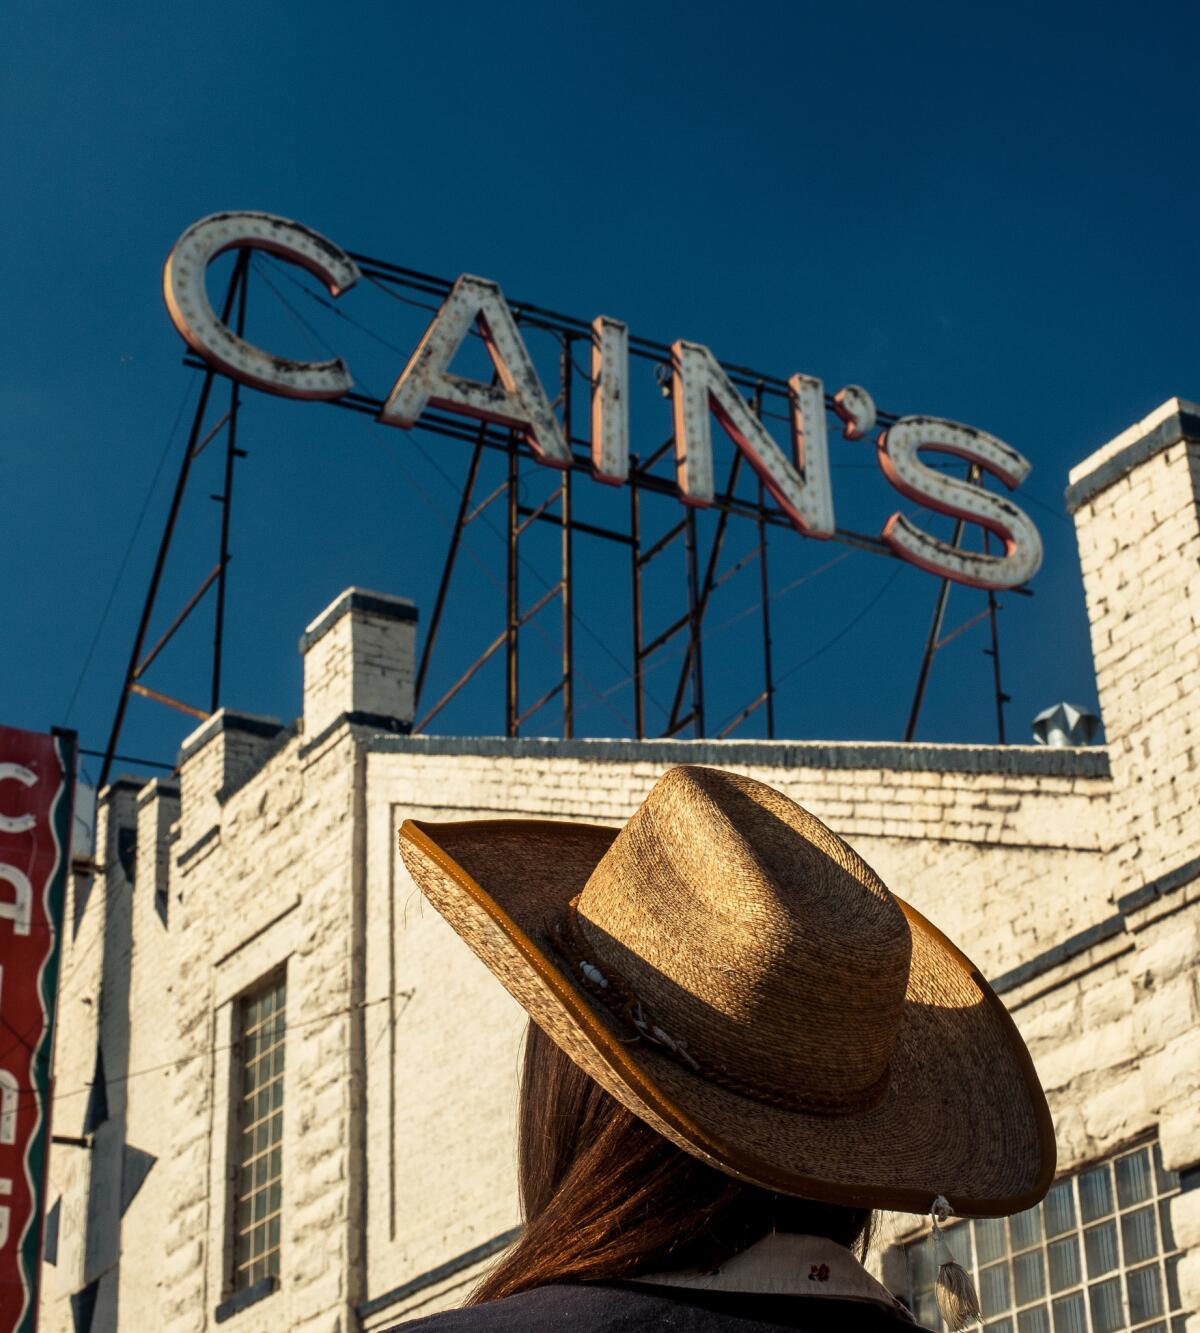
[
  {"x": 1017, "y": 760},
  {"x": 158, "y": 789},
  {"x": 242, "y": 1300},
  {"x": 383, "y": 723},
  {"x": 1073, "y": 946},
  {"x": 383, "y": 605},
  {"x": 1060, "y": 953},
  {"x": 226, "y": 719},
  {"x": 1181, "y": 424},
  {"x": 1171, "y": 882}
]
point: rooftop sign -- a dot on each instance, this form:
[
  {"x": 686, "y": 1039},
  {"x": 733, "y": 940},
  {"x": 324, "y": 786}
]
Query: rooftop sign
[{"x": 797, "y": 478}]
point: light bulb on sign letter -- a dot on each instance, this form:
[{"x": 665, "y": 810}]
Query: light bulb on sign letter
[
  {"x": 207, "y": 334},
  {"x": 898, "y": 454}
]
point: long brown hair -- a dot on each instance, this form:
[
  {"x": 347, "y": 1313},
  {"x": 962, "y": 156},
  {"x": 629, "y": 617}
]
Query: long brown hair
[{"x": 605, "y": 1196}]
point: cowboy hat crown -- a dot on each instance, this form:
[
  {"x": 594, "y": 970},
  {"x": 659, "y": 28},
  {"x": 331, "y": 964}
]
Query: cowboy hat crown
[{"x": 756, "y": 940}]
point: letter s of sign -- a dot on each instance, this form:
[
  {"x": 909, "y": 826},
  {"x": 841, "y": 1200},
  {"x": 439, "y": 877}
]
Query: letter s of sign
[
  {"x": 898, "y": 457},
  {"x": 208, "y": 335}
]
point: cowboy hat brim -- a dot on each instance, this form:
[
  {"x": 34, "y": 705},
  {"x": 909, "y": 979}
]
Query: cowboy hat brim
[{"x": 963, "y": 1114}]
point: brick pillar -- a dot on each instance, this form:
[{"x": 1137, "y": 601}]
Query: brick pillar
[
  {"x": 218, "y": 757},
  {"x": 157, "y": 811},
  {"x": 1137, "y": 514},
  {"x": 1137, "y": 518},
  {"x": 359, "y": 663},
  {"x": 95, "y": 1247}
]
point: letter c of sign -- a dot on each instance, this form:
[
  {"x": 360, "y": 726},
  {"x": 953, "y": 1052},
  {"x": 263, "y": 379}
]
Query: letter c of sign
[
  {"x": 209, "y": 336},
  {"x": 17, "y": 773}
]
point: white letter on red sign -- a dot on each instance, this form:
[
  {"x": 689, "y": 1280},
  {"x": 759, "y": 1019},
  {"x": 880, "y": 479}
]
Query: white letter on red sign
[
  {"x": 202, "y": 329},
  {"x": 518, "y": 401},
  {"x": 899, "y": 459},
  {"x": 18, "y": 911},
  {"x": 610, "y": 400},
  {"x": 8, "y": 1107},
  {"x": 17, "y": 773},
  {"x": 801, "y": 489}
]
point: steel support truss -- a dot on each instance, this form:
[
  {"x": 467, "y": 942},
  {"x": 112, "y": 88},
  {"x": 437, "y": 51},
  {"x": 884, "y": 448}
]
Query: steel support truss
[
  {"x": 701, "y": 569},
  {"x": 198, "y": 441}
]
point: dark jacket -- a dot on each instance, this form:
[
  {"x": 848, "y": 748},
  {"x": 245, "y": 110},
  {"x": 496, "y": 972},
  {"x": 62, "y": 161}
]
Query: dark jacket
[{"x": 619, "y": 1307}]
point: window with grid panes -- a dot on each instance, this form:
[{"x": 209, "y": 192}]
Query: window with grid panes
[
  {"x": 1095, "y": 1256},
  {"x": 259, "y": 1144}
]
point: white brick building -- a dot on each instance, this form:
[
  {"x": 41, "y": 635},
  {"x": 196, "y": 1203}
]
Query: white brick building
[{"x": 267, "y": 878}]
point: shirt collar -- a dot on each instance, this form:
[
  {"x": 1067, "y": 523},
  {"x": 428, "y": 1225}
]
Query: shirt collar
[{"x": 786, "y": 1264}]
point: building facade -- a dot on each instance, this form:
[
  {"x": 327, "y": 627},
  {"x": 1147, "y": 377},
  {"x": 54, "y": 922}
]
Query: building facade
[{"x": 286, "y": 1090}]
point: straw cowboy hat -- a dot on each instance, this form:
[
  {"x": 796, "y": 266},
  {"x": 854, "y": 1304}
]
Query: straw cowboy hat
[{"x": 737, "y": 976}]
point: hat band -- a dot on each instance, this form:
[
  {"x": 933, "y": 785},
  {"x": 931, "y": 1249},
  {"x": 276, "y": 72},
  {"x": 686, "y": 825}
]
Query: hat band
[{"x": 620, "y": 999}]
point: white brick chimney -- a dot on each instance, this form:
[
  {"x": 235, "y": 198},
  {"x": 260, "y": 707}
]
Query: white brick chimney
[
  {"x": 1136, "y": 504},
  {"x": 224, "y": 752},
  {"x": 360, "y": 662}
]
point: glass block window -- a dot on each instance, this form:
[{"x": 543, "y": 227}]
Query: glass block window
[
  {"x": 258, "y": 1052},
  {"x": 1095, "y": 1256}
]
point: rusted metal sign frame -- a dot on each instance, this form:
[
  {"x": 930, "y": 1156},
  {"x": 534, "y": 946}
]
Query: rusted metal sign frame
[
  {"x": 556, "y": 509},
  {"x": 197, "y": 441}
]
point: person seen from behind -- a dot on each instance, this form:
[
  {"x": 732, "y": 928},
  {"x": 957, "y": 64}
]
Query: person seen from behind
[{"x": 741, "y": 1044}]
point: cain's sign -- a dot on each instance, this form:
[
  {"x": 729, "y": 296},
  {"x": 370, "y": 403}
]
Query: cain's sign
[{"x": 797, "y": 479}]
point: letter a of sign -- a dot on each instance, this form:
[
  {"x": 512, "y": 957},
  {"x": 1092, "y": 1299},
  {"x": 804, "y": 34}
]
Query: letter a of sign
[
  {"x": 800, "y": 488},
  {"x": 518, "y": 400}
]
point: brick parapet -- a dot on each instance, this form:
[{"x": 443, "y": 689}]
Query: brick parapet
[
  {"x": 1139, "y": 540},
  {"x": 1176, "y": 419},
  {"x": 870, "y": 757},
  {"x": 359, "y": 659}
]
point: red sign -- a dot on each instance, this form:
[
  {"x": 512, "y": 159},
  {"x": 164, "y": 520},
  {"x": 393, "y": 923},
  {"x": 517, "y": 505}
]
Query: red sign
[{"x": 36, "y": 790}]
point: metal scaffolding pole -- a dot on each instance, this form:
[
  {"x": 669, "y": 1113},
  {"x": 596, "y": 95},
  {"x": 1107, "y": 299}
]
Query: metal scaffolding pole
[
  {"x": 195, "y": 443},
  {"x": 568, "y": 638},
  {"x": 935, "y": 626},
  {"x": 232, "y": 453},
  {"x": 512, "y": 606},
  {"x": 635, "y": 555}
]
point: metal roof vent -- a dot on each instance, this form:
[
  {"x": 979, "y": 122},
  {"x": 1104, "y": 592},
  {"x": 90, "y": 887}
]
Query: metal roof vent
[{"x": 1064, "y": 724}]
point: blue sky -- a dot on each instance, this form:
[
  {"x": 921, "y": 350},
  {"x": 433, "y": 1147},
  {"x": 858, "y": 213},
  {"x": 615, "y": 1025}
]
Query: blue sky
[{"x": 985, "y": 213}]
